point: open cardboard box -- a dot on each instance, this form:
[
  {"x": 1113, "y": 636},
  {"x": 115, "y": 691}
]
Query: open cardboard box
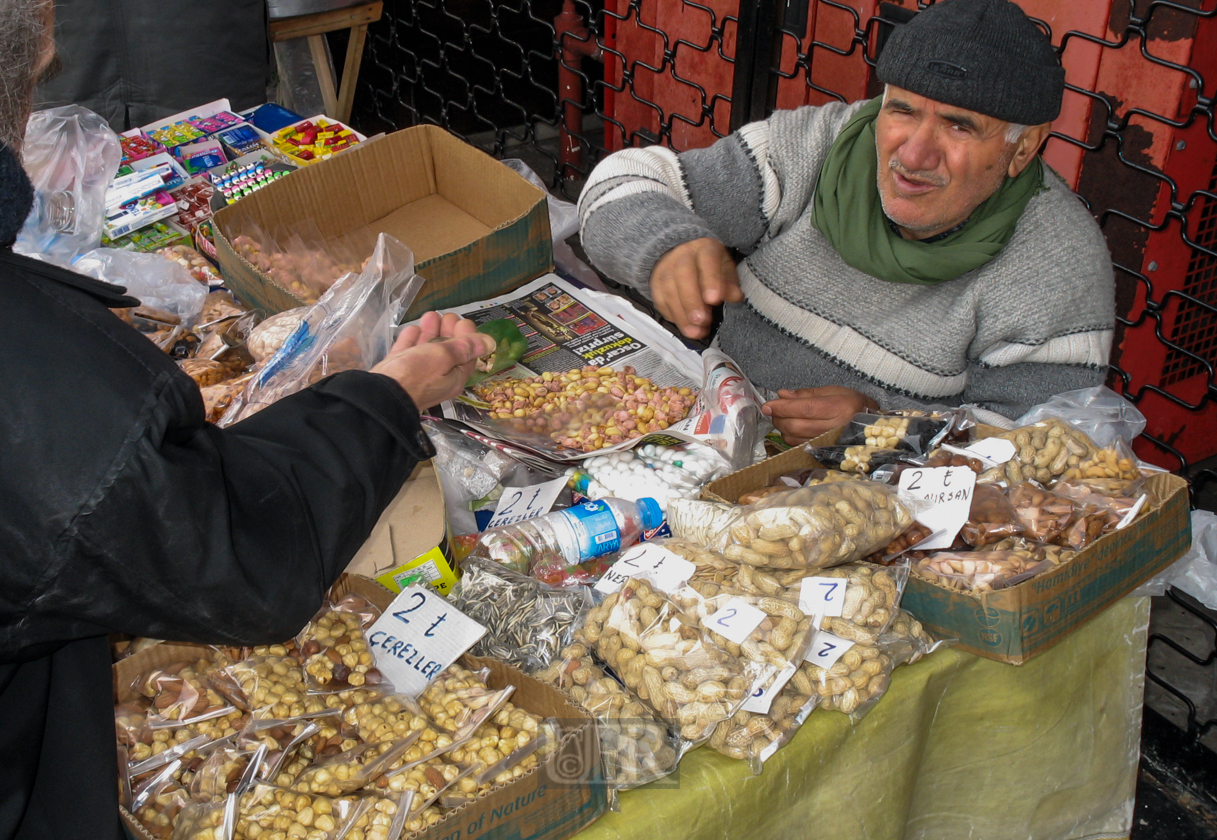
[
  {"x": 554, "y": 800},
  {"x": 410, "y": 538},
  {"x": 477, "y": 229},
  {"x": 1019, "y": 622}
]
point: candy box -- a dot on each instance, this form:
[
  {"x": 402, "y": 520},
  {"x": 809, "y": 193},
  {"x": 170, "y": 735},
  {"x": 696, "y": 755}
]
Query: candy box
[
  {"x": 157, "y": 235},
  {"x": 137, "y": 145},
  {"x": 201, "y": 155},
  {"x": 477, "y": 229},
  {"x": 140, "y": 213},
  {"x": 1022, "y": 621},
  {"x": 193, "y": 202},
  {"x": 315, "y": 139}
]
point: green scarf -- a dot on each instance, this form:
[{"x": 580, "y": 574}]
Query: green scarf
[{"x": 846, "y": 209}]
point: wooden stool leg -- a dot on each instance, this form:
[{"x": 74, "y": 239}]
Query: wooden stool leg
[
  {"x": 325, "y": 76},
  {"x": 350, "y": 72}
]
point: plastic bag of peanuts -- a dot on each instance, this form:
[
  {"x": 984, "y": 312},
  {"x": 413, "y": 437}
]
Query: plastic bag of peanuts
[
  {"x": 181, "y": 693},
  {"x": 382, "y": 718},
  {"x": 1044, "y": 451},
  {"x": 754, "y": 736},
  {"x": 991, "y": 517},
  {"x": 267, "y": 686},
  {"x": 353, "y": 769},
  {"x": 501, "y": 750},
  {"x": 808, "y": 527},
  {"x": 159, "y": 808},
  {"x": 670, "y": 664},
  {"x": 1117, "y": 498},
  {"x": 636, "y": 748}
]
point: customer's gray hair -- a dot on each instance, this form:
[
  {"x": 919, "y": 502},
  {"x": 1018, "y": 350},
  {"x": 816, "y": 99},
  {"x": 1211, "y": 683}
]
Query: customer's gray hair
[{"x": 22, "y": 29}]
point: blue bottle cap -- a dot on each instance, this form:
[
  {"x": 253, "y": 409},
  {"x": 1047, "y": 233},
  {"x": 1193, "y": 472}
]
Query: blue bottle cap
[{"x": 652, "y": 513}]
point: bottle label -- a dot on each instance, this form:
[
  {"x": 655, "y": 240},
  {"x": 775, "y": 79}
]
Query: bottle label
[{"x": 595, "y": 529}]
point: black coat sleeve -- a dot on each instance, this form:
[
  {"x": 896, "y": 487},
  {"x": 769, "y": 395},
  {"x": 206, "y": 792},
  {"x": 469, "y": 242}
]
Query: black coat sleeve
[{"x": 230, "y": 535}]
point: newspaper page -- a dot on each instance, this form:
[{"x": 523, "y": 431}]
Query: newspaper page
[{"x": 567, "y": 328}]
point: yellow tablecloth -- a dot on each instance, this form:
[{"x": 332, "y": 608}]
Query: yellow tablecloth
[{"x": 961, "y": 747}]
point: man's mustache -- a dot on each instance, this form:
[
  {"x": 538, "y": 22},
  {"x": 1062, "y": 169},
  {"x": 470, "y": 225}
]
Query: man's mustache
[{"x": 927, "y": 177}]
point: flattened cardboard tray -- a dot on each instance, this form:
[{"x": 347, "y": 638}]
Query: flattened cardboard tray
[
  {"x": 1022, "y": 621},
  {"x": 553, "y": 801},
  {"x": 477, "y": 229}
]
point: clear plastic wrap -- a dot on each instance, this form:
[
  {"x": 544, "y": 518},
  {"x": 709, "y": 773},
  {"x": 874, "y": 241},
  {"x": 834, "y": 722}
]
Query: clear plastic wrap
[
  {"x": 154, "y": 280},
  {"x": 458, "y": 700},
  {"x": 527, "y": 621},
  {"x": 1115, "y": 461},
  {"x": 991, "y": 518},
  {"x": 918, "y": 434},
  {"x": 267, "y": 337},
  {"x": 754, "y": 737},
  {"x": 1044, "y": 451},
  {"x": 181, "y": 693},
  {"x": 860, "y": 458},
  {"x": 160, "y": 806},
  {"x": 980, "y": 571},
  {"x": 1043, "y": 514},
  {"x": 1099, "y": 413},
  {"x": 809, "y": 527},
  {"x": 71, "y": 155},
  {"x": 200, "y": 268},
  {"x": 667, "y": 661},
  {"x": 350, "y": 328},
  {"x": 335, "y": 652},
  {"x": 636, "y": 748},
  {"x": 268, "y": 687},
  {"x": 503, "y": 748}
]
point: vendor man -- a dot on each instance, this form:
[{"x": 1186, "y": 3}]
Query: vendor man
[{"x": 908, "y": 251}]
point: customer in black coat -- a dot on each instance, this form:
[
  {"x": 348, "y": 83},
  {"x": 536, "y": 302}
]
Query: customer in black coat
[{"x": 121, "y": 510}]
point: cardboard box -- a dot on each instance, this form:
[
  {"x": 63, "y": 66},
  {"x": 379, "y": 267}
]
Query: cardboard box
[
  {"x": 1019, "y": 622},
  {"x": 477, "y": 229},
  {"x": 411, "y": 538},
  {"x": 554, "y": 800}
]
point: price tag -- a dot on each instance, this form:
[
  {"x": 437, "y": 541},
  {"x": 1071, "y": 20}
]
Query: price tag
[
  {"x": 664, "y": 568},
  {"x": 736, "y": 620},
  {"x": 826, "y": 649},
  {"x": 997, "y": 450},
  {"x": 518, "y": 504},
  {"x": 948, "y": 492},
  {"x": 418, "y": 636},
  {"x": 761, "y": 698},
  {"x": 822, "y": 596}
]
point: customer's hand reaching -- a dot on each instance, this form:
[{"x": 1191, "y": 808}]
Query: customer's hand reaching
[{"x": 434, "y": 358}]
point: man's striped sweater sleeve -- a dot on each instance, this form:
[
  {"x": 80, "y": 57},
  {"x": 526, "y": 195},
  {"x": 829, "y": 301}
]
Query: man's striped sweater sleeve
[{"x": 641, "y": 203}]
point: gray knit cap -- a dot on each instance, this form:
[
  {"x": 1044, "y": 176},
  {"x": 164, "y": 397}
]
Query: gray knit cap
[{"x": 982, "y": 55}]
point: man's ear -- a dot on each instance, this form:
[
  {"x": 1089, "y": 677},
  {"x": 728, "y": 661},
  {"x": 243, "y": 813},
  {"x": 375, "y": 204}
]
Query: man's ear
[{"x": 1026, "y": 147}]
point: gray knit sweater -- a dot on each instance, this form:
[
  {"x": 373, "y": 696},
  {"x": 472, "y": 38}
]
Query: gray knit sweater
[{"x": 1034, "y": 321}]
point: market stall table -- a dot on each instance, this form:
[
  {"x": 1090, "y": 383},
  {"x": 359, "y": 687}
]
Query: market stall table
[{"x": 960, "y": 747}]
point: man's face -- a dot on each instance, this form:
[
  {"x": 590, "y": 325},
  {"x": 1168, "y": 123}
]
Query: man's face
[{"x": 937, "y": 163}]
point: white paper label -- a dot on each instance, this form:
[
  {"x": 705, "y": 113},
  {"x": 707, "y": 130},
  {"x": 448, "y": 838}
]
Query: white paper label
[
  {"x": 948, "y": 490},
  {"x": 1132, "y": 513},
  {"x": 826, "y": 649},
  {"x": 761, "y": 699},
  {"x": 822, "y": 596},
  {"x": 995, "y": 449},
  {"x": 736, "y": 620},
  {"x": 665, "y": 569},
  {"x": 518, "y": 504},
  {"x": 418, "y": 636}
]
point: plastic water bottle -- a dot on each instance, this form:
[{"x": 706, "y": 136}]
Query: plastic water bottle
[{"x": 563, "y": 547}]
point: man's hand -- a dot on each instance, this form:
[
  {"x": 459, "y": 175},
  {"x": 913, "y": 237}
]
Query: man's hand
[
  {"x": 803, "y": 413},
  {"x": 690, "y": 280},
  {"x": 433, "y": 359}
]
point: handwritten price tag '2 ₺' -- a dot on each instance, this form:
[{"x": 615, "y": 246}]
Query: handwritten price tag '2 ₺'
[
  {"x": 664, "y": 568},
  {"x": 822, "y": 596},
  {"x": 826, "y": 648},
  {"x": 519, "y": 504},
  {"x": 735, "y": 620},
  {"x": 418, "y": 636},
  {"x": 946, "y": 495}
]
